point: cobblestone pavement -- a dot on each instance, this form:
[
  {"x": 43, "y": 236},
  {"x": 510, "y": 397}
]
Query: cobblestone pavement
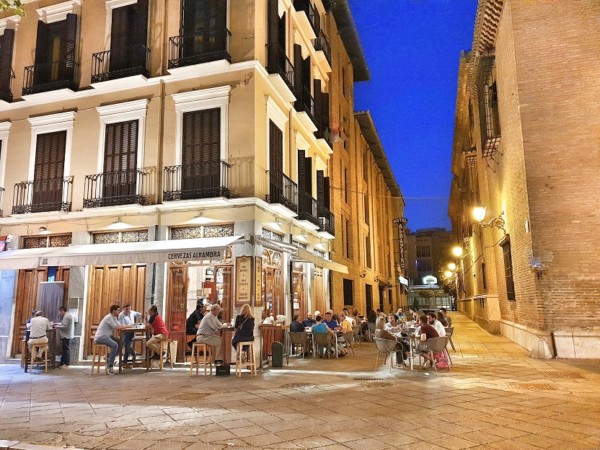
[{"x": 494, "y": 397}]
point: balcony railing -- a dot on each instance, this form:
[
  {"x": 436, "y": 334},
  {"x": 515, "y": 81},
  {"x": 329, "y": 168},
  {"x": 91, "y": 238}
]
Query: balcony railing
[
  {"x": 307, "y": 208},
  {"x": 133, "y": 61},
  {"x": 322, "y": 44},
  {"x": 311, "y": 13},
  {"x": 306, "y": 103},
  {"x": 1, "y": 201},
  {"x": 326, "y": 221},
  {"x": 198, "y": 48},
  {"x": 283, "y": 190},
  {"x": 280, "y": 64},
  {"x": 43, "y": 195},
  {"x": 126, "y": 187},
  {"x": 6, "y": 91},
  {"x": 51, "y": 76},
  {"x": 196, "y": 181}
]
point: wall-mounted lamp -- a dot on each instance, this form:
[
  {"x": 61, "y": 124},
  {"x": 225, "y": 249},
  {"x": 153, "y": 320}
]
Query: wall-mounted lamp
[
  {"x": 457, "y": 251},
  {"x": 363, "y": 274},
  {"x": 44, "y": 230},
  {"x": 537, "y": 266},
  {"x": 376, "y": 280},
  {"x": 497, "y": 222},
  {"x": 118, "y": 225}
]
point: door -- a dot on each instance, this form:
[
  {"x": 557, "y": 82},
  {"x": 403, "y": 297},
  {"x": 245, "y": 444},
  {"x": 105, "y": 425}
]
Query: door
[
  {"x": 28, "y": 284},
  {"x": 128, "y": 36},
  {"x": 203, "y": 27},
  {"x": 178, "y": 283},
  {"x": 112, "y": 285},
  {"x": 120, "y": 163},
  {"x": 49, "y": 172}
]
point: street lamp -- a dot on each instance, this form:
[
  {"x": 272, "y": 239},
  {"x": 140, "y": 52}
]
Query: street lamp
[
  {"x": 479, "y": 213},
  {"x": 457, "y": 251}
]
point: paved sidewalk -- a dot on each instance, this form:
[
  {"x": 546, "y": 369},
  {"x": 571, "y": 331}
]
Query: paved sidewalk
[{"x": 494, "y": 397}]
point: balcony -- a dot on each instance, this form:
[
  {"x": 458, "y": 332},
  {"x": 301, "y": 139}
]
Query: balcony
[
  {"x": 326, "y": 221},
  {"x": 6, "y": 90},
  {"x": 196, "y": 181},
  {"x": 131, "y": 61},
  {"x": 322, "y": 44},
  {"x": 307, "y": 208},
  {"x": 306, "y": 103},
  {"x": 307, "y": 7},
  {"x": 51, "y": 76},
  {"x": 43, "y": 196},
  {"x": 280, "y": 64},
  {"x": 126, "y": 187},
  {"x": 283, "y": 190},
  {"x": 198, "y": 48}
]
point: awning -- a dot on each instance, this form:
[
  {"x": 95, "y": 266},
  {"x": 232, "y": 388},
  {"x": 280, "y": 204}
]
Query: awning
[
  {"x": 140, "y": 252},
  {"x": 321, "y": 262},
  {"x": 28, "y": 258}
]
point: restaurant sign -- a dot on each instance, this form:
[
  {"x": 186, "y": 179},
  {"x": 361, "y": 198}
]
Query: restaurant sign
[{"x": 183, "y": 255}]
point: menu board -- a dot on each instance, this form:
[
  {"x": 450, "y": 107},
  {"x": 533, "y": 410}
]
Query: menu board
[
  {"x": 243, "y": 280},
  {"x": 258, "y": 281}
]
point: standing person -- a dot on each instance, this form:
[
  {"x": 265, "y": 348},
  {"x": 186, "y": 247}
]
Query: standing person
[
  {"x": 192, "y": 322},
  {"x": 159, "y": 331},
  {"x": 209, "y": 332},
  {"x": 66, "y": 331},
  {"x": 128, "y": 318},
  {"x": 105, "y": 334},
  {"x": 244, "y": 326},
  {"x": 38, "y": 327}
]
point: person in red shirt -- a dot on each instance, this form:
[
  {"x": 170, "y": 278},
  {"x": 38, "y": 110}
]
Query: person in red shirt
[
  {"x": 426, "y": 331},
  {"x": 159, "y": 331}
]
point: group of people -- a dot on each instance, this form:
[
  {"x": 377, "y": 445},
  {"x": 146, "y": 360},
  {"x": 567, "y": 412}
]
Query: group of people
[{"x": 36, "y": 333}]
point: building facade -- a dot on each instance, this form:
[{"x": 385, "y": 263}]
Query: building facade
[
  {"x": 526, "y": 148},
  {"x": 166, "y": 152},
  {"x": 429, "y": 251}
]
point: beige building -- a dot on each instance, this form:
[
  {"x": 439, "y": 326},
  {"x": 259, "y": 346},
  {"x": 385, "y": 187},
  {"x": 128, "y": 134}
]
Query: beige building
[
  {"x": 526, "y": 147},
  {"x": 163, "y": 153},
  {"x": 428, "y": 252}
]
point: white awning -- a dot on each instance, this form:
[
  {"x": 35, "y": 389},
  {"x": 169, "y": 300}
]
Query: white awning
[
  {"x": 140, "y": 252},
  {"x": 28, "y": 258},
  {"x": 321, "y": 262}
]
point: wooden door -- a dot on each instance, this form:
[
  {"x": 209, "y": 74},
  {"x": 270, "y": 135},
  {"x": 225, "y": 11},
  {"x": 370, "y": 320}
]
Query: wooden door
[
  {"x": 112, "y": 285},
  {"x": 176, "y": 309},
  {"x": 28, "y": 284}
]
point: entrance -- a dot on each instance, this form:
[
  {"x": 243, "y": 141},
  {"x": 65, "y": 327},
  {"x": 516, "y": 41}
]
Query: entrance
[{"x": 272, "y": 284}]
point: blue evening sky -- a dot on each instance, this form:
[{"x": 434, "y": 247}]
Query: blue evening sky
[{"x": 412, "y": 48}]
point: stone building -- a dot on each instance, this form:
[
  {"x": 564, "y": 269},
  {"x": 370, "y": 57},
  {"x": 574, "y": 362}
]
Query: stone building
[
  {"x": 428, "y": 251},
  {"x": 526, "y": 147}
]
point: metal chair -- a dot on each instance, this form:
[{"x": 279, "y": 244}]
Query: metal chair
[
  {"x": 347, "y": 339},
  {"x": 299, "y": 340},
  {"x": 449, "y": 333},
  {"x": 387, "y": 347},
  {"x": 432, "y": 346},
  {"x": 325, "y": 341}
]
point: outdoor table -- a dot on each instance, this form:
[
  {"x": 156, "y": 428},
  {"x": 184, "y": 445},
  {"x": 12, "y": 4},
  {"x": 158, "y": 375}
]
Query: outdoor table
[
  {"x": 133, "y": 329},
  {"x": 413, "y": 342}
]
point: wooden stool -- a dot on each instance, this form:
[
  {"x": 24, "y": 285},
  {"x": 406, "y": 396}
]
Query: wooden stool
[
  {"x": 249, "y": 364},
  {"x": 99, "y": 351},
  {"x": 207, "y": 353},
  {"x": 170, "y": 347},
  {"x": 35, "y": 349}
]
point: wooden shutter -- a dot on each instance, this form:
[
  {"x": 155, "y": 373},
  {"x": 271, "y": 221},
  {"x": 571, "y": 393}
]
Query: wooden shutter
[
  {"x": 220, "y": 12},
  {"x": 301, "y": 170},
  {"x": 119, "y": 36},
  {"x": 298, "y": 74},
  {"x": 318, "y": 106},
  {"x": 305, "y": 88},
  {"x": 70, "y": 40},
  {"x": 49, "y": 171},
  {"x": 201, "y": 153},
  {"x": 326, "y": 193},
  {"x": 7, "y": 41},
  {"x": 273, "y": 33},
  {"x": 317, "y": 21},
  {"x": 42, "y": 55},
  {"x": 140, "y": 34},
  {"x": 325, "y": 110},
  {"x": 120, "y": 159},
  {"x": 320, "y": 189},
  {"x": 275, "y": 162},
  {"x": 308, "y": 176}
]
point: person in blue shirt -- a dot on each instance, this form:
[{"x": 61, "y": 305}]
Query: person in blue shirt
[
  {"x": 330, "y": 321},
  {"x": 321, "y": 328},
  {"x": 309, "y": 321}
]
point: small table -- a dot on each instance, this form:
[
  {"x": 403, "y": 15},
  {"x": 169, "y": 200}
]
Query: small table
[{"x": 132, "y": 330}]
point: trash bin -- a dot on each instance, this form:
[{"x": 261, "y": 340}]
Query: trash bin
[{"x": 277, "y": 354}]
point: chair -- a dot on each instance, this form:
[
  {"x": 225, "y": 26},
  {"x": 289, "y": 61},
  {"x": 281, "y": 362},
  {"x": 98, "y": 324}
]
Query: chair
[
  {"x": 356, "y": 333},
  {"x": 299, "y": 340},
  {"x": 37, "y": 348},
  {"x": 250, "y": 363},
  {"x": 99, "y": 352},
  {"x": 168, "y": 352},
  {"x": 449, "y": 333},
  {"x": 434, "y": 345},
  {"x": 347, "y": 339},
  {"x": 323, "y": 340},
  {"x": 207, "y": 353},
  {"x": 388, "y": 348}
]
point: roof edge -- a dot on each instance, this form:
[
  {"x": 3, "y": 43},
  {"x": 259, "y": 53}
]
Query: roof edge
[{"x": 349, "y": 34}]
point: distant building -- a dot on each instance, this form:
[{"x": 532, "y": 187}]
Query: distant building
[
  {"x": 428, "y": 250},
  {"x": 526, "y": 148}
]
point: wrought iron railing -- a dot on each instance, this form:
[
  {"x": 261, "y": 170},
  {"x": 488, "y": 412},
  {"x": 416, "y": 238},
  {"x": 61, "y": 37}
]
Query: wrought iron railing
[
  {"x": 280, "y": 64},
  {"x": 6, "y": 91},
  {"x": 198, "y": 48},
  {"x": 322, "y": 44},
  {"x": 283, "y": 190},
  {"x": 311, "y": 13},
  {"x": 133, "y": 62},
  {"x": 51, "y": 76},
  {"x": 126, "y": 187},
  {"x": 306, "y": 103},
  {"x": 53, "y": 194},
  {"x": 307, "y": 208},
  {"x": 326, "y": 220},
  {"x": 195, "y": 181}
]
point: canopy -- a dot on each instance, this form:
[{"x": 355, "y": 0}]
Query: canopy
[
  {"x": 321, "y": 262},
  {"x": 27, "y": 258}
]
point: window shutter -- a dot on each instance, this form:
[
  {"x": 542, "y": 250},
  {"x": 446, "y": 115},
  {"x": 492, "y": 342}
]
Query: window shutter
[
  {"x": 298, "y": 73},
  {"x": 273, "y": 33},
  {"x": 140, "y": 34},
  {"x": 275, "y": 163},
  {"x": 42, "y": 55},
  {"x": 70, "y": 43},
  {"x": 281, "y": 32},
  {"x": 49, "y": 171},
  {"x": 320, "y": 189},
  {"x": 120, "y": 159},
  {"x": 301, "y": 170},
  {"x": 305, "y": 89},
  {"x": 6, "y": 51},
  {"x": 118, "y": 37},
  {"x": 317, "y": 21},
  {"x": 326, "y": 193},
  {"x": 308, "y": 176},
  {"x": 325, "y": 110},
  {"x": 318, "y": 106},
  {"x": 221, "y": 26}
]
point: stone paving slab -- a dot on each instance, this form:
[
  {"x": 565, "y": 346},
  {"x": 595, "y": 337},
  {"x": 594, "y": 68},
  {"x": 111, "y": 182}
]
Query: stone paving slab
[{"x": 493, "y": 397}]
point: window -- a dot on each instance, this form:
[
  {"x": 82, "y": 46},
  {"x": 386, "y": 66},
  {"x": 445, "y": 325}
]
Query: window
[
  {"x": 366, "y": 207},
  {"x": 483, "y": 276},
  {"x": 423, "y": 265},
  {"x": 348, "y": 292},
  {"x": 369, "y": 297},
  {"x": 48, "y": 172},
  {"x": 508, "y": 273},
  {"x": 368, "y": 257},
  {"x": 423, "y": 251},
  {"x": 6, "y": 72},
  {"x": 120, "y": 159},
  {"x": 348, "y": 253},
  {"x": 346, "y": 184}
]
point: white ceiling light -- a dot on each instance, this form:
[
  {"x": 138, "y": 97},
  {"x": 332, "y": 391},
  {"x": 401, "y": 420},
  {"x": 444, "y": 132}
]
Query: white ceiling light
[{"x": 118, "y": 225}]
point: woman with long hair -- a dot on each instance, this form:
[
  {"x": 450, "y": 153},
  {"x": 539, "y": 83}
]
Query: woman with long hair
[{"x": 244, "y": 326}]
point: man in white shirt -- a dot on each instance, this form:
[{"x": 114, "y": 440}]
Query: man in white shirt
[
  {"x": 209, "y": 332},
  {"x": 38, "y": 326},
  {"x": 104, "y": 334},
  {"x": 128, "y": 318},
  {"x": 66, "y": 331},
  {"x": 431, "y": 319}
]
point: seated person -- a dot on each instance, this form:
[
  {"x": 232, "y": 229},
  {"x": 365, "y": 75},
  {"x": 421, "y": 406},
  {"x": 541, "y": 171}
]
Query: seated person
[
  {"x": 192, "y": 322},
  {"x": 209, "y": 332},
  {"x": 244, "y": 326},
  {"x": 321, "y": 328},
  {"x": 345, "y": 327},
  {"x": 426, "y": 331},
  {"x": 296, "y": 326},
  {"x": 330, "y": 321},
  {"x": 402, "y": 348},
  {"x": 392, "y": 326},
  {"x": 309, "y": 321}
]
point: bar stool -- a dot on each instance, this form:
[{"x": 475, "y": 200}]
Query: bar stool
[
  {"x": 37, "y": 348},
  {"x": 207, "y": 352},
  {"x": 170, "y": 347},
  {"x": 249, "y": 364},
  {"x": 99, "y": 351}
]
